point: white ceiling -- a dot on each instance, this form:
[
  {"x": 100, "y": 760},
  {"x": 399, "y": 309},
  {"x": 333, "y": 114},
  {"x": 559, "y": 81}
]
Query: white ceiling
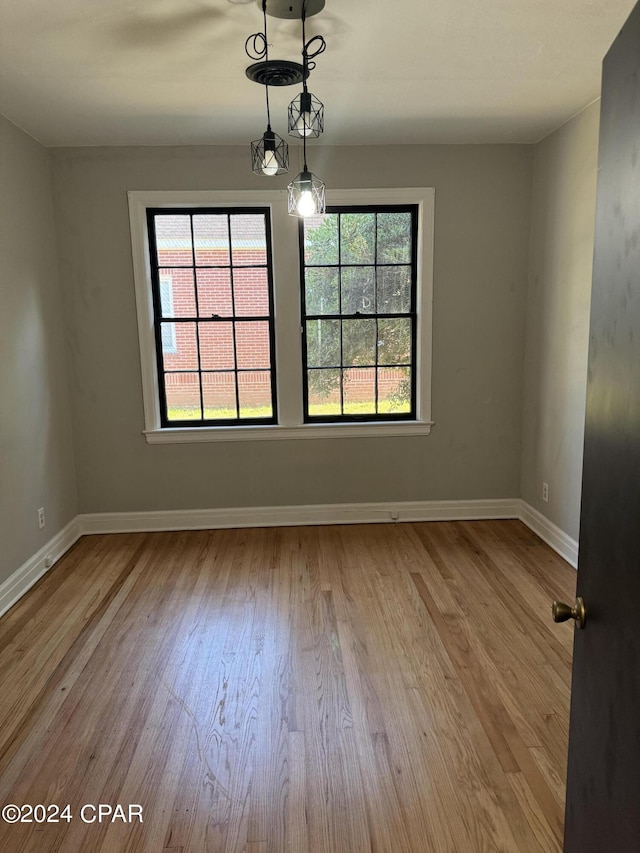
[{"x": 155, "y": 72}]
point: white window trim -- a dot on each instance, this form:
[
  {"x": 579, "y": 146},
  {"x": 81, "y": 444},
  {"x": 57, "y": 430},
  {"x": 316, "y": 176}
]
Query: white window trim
[{"x": 286, "y": 274}]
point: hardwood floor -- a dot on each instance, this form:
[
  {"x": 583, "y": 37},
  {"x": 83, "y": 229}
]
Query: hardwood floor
[{"x": 341, "y": 689}]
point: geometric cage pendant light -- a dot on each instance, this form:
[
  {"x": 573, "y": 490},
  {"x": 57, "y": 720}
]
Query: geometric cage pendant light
[
  {"x": 306, "y": 194},
  {"x": 270, "y": 153},
  {"x": 306, "y": 112},
  {"x": 306, "y": 115}
]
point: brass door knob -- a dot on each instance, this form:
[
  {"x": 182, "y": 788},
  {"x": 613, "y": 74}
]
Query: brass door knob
[{"x": 561, "y": 612}]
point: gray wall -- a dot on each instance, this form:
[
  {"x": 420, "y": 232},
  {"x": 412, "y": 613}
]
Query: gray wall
[
  {"x": 562, "y": 231},
  {"x": 36, "y": 452},
  {"x": 491, "y": 439},
  {"x": 481, "y": 256}
]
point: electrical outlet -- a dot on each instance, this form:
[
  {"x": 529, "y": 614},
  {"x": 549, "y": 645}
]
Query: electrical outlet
[
  {"x": 545, "y": 492},
  {"x": 41, "y": 521}
]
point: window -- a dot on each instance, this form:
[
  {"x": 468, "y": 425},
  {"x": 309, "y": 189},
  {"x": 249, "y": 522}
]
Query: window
[
  {"x": 167, "y": 330},
  {"x": 213, "y": 308},
  {"x": 283, "y": 332},
  {"x": 359, "y": 313}
]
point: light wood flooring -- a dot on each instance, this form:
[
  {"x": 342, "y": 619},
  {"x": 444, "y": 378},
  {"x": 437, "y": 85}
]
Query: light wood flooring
[{"x": 338, "y": 689}]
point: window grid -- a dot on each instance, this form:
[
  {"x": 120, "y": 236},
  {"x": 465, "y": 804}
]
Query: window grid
[
  {"x": 197, "y": 321},
  {"x": 233, "y": 312},
  {"x": 410, "y": 315},
  {"x": 197, "y": 325},
  {"x": 375, "y": 302},
  {"x": 166, "y": 302}
]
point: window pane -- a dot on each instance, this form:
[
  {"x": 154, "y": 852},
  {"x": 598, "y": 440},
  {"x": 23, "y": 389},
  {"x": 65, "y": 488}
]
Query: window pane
[
  {"x": 394, "y": 341},
  {"x": 248, "y": 239},
  {"x": 216, "y": 346},
  {"x": 394, "y": 390},
  {"x": 254, "y": 390},
  {"x": 321, "y": 293},
  {"x": 211, "y": 236},
  {"x": 394, "y": 290},
  {"x": 394, "y": 238},
  {"x": 177, "y": 294},
  {"x": 219, "y": 396},
  {"x": 321, "y": 239},
  {"x": 324, "y": 392},
  {"x": 323, "y": 343},
  {"x": 173, "y": 241},
  {"x": 184, "y": 354},
  {"x": 358, "y": 290},
  {"x": 252, "y": 345},
  {"x": 251, "y": 292},
  {"x": 183, "y": 396},
  {"x": 214, "y": 293},
  {"x": 168, "y": 337},
  {"x": 358, "y": 342},
  {"x": 359, "y": 392},
  {"x": 357, "y": 238}
]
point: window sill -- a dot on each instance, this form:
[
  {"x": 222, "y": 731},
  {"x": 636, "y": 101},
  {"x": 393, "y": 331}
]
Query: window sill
[{"x": 185, "y": 435}]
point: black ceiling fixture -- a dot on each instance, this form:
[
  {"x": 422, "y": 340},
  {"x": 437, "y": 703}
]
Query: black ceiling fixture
[{"x": 269, "y": 155}]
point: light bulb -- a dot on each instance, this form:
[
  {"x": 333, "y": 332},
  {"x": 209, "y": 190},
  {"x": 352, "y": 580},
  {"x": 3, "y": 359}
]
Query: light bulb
[
  {"x": 303, "y": 124},
  {"x": 306, "y": 204},
  {"x": 269, "y": 163}
]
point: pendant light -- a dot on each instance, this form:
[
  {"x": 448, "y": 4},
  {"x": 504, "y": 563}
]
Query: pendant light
[
  {"x": 306, "y": 193},
  {"x": 306, "y": 112},
  {"x": 270, "y": 154}
]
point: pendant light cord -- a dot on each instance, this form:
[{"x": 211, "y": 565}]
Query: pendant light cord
[
  {"x": 266, "y": 59},
  {"x": 307, "y": 66},
  {"x": 308, "y": 63},
  {"x": 305, "y": 58},
  {"x": 305, "y": 74}
]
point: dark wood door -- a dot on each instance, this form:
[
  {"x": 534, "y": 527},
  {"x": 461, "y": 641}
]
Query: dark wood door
[{"x": 603, "y": 785}]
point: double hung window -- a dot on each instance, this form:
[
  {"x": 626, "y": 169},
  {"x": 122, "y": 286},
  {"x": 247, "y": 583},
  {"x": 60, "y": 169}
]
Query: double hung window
[
  {"x": 212, "y": 286},
  {"x": 359, "y": 270}
]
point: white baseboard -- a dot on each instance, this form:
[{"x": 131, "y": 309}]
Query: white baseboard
[
  {"x": 550, "y": 533},
  {"x": 280, "y": 516},
  {"x": 24, "y": 578},
  {"x": 289, "y": 516},
  {"x": 364, "y": 513}
]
